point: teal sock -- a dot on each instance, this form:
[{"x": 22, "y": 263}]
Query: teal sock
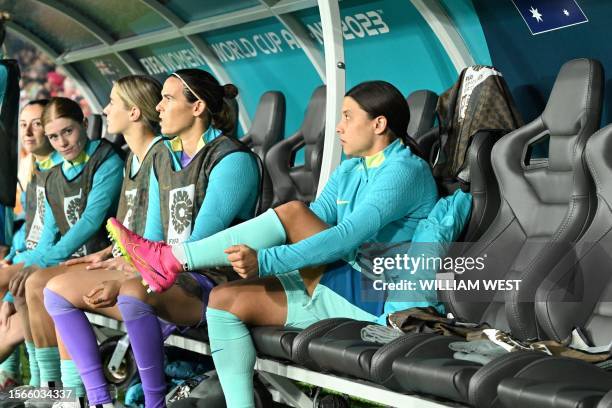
[
  {"x": 49, "y": 364},
  {"x": 260, "y": 232},
  {"x": 234, "y": 356},
  {"x": 71, "y": 377},
  {"x": 11, "y": 364},
  {"x": 34, "y": 371}
]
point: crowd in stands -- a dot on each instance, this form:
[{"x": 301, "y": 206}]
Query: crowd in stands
[{"x": 40, "y": 77}]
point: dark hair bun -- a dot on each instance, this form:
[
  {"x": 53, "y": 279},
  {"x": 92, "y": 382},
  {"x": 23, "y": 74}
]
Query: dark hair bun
[{"x": 230, "y": 91}]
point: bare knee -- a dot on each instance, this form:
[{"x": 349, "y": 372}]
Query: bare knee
[
  {"x": 134, "y": 288},
  {"x": 222, "y": 297},
  {"x": 35, "y": 284},
  {"x": 64, "y": 286},
  {"x": 57, "y": 284},
  {"x": 290, "y": 210}
]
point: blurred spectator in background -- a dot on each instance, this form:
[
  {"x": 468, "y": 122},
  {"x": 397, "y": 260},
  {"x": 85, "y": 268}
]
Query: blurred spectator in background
[{"x": 40, "y": 78}]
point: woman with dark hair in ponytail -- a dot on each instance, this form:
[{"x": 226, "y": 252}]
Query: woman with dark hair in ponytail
[
  {"x": 380, "y": 98},
  {"x": 306, "y": 257},
  {"x": 209, "y": 182},
  {"x": 213, "y": 179}
]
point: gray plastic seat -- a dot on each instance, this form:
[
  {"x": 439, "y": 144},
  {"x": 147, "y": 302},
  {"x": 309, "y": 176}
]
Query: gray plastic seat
[
  {"x": 94, "y": 126},
  {"x": 422, "y": 104},
  {"x": 576, "y": 294},
  {"x": 267, "y": 129},
  {"x": 290, "y": 181}
]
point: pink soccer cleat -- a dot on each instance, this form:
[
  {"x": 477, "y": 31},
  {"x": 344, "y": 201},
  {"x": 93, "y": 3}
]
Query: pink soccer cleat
[{"x": 154, "y": 260}]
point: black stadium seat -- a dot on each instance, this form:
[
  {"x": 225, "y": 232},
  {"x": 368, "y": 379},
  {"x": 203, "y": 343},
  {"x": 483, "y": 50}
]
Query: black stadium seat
[
  {"x": 483, "y": 185},
  {"x": 94, "y": 126},
  {"x": 543, "y": 203},
  {"x": 422, "y": 105},
  {"x": 546, "y": 206},
  {"x": 497, "y": 104},
  {"x": 576, "y": 294},
  {"x": 291, "y": 182},
  {"x": 267, "y": 129},
  {"x": 606, "y": 401}
]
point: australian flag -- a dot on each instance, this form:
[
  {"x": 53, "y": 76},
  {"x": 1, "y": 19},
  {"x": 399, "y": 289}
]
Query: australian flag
[{"x": 548, "y": 15}]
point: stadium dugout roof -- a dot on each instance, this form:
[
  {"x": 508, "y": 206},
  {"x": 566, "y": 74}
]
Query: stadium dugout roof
[{"x": 99, "y": 41}]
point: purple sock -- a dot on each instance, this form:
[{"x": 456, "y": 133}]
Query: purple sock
[
  {"x": 80, "y": 341},
  {"x": 148, "y": 347}
]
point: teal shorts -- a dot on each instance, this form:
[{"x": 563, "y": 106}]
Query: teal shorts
[{"x": 303, "y": 310}]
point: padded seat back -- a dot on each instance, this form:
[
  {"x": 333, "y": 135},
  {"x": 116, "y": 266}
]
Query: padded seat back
[
  {"x": 578, "y": 291},
  {"x": 267, "y": 129},
  {"x": 94, "y": 126},
  {"x": 482, "y": 131},
  {"x": 422, "y": 104},
  {"x": 545, "y": 204},
  {"x": 291, "y": 182}
]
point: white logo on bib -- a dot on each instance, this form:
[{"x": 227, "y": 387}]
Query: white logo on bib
[
  {"x": 180, "y": 208},
  {"x": 130, "y": 199},
  {"x": 39, "y": 217},
  {"x": 72, "y": 205}
]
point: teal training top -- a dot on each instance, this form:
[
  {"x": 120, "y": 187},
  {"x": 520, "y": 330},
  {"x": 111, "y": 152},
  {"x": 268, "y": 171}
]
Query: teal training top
[
  {"x": 101, "y": 204},
  {"x": 19, "y": 238},
  {"x": 232, "y": 193},
  {"x": 380, "y": 198}
]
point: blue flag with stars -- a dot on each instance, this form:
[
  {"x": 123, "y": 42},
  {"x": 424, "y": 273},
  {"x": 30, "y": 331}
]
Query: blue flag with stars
[{"x": 548, "y": 15}]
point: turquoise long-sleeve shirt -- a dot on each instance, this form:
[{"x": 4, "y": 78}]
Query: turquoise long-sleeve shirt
[
  {"x": 18, "y": 244},
  {"x": 380, "y": 198},
  {"x": 19, "y": 238},
  {"x": 231, "y": 193},
  {"x": 101, "y": 204}
]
